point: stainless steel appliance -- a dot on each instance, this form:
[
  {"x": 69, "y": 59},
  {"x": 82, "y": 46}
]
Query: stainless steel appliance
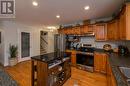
[
  {"x": 59, "y": 43},
  {"x": 85, "y": 58}
]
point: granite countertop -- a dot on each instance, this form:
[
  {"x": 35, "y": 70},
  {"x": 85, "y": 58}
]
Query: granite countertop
[
  {"x": 51, "y": 56},
  {"x": 117, "y": 61}
]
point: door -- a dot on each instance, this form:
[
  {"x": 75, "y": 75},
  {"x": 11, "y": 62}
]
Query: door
[
  {"x": 24, "y": 45},
  {"x": 100, "y": 61},
  {"x": 100, "y": 32}
]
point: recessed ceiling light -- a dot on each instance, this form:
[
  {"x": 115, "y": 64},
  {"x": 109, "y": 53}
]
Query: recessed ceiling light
[
  {"x": 35, "y": 3},
  {"x": 51, "y": 27},
  {"x": 57, "y": 16},
  {"x": 86, "y": 8}
]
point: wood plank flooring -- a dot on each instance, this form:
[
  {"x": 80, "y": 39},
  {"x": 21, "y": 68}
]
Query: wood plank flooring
[{"x": 21, "y": 73}]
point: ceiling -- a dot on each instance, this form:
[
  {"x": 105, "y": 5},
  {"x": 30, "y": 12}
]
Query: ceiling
[{"x": 69, "y": 10}]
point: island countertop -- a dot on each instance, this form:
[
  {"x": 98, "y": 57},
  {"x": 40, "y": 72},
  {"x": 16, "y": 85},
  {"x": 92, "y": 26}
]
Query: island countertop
[{"x": 48, "y": 57}]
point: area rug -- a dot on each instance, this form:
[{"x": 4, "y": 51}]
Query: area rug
[{"x": 6, "y": 80}]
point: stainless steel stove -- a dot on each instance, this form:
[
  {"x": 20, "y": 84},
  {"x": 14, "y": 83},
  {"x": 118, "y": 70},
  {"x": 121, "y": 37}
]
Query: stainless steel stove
[{"x": 85, "y": 58}]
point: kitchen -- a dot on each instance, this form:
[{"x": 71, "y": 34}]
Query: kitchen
[
  {"x": 82, "y": 53},
  {"x": 91, "y": 50}
]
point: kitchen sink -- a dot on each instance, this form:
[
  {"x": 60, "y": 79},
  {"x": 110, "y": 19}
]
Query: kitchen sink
[{"x": 126, "y": 73}]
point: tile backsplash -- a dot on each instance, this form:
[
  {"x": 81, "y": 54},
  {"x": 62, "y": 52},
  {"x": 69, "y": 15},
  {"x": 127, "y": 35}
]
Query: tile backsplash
[{"x": 114, "y": 44}]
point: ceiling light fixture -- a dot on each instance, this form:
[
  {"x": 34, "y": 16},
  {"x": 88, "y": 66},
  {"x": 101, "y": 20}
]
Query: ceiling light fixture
[
  {"x": 35, "y": 3},
  {"x": 58, "y": 16},
  {"x": 86, "y": 8},
  {"x": 51, "y": 27}
]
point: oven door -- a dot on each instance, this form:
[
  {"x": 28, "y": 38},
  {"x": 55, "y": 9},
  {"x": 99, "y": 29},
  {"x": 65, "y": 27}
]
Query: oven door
[{"x": 85, "y": 61}]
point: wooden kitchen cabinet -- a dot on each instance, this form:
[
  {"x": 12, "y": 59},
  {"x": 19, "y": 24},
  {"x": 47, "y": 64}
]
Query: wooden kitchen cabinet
[
  {"x": 110, "y": 77},
  {"x": 112, "y": 30},
  {"x": 84, "y": 29},
  {"x": 73, "y": 58},
  {"x": 100, "y": 32},
  {"x": 91, "y": 28},
  {"x": 77, "y": 30},
  {"x": 124, "y": 26},
  {"x": 100, "y": 61},
  {"x": 87, "y": 29}
]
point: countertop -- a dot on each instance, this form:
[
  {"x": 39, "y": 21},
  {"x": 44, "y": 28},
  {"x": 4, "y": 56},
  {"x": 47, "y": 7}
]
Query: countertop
[
  {"x": 116, "y": 61},
  {"x": 51, "y": 56}
]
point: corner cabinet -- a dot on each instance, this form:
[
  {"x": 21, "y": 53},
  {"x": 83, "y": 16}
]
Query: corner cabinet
[
  {"x": 124, "y": 26},
  {"x": 100, "y": 61}
]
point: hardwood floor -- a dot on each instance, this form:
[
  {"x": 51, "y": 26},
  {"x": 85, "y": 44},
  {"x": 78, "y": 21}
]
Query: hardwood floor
[{"x": 21, "y": 73}]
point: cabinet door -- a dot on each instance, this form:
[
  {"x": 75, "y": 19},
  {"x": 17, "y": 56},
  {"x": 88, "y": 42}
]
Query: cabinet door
[
  {"x": 110, "y": 77},
  {"x": 97, "y": 62},
  {"x": 73, "y": 58},
  {"x": 112, "y": 30},
  {"x": 90, "y": 28},
  {"x": 100, "y": 32},
  {"x": 77, "y": 30},
  {"x": 100, "y": 62},
  {"x": 122, "y": 25},
  {"x": 85, "y": 29}
]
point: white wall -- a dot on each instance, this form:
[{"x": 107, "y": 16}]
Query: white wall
[
  {"x": 2, "y": 45},
  {"x": 11, "y": 34}
]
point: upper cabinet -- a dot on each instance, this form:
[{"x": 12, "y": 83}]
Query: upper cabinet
[
  {"x": 100, "y": 32},
  {"x": 84, "y": 29},
  {"x": 117, "y": 29},
  {"x": 127, "y": 13},
  {"x": 87, "y": 29},
  {"x": 112, "y": 30},
  {"x": 77, "y": 30},
  {"x": 124, "y": 26},
  {"x": 91, "y": 28}
]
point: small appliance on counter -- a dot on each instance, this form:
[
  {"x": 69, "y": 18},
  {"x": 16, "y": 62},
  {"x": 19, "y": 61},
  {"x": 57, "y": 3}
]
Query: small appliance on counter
[
  {"x": 107, "y": 47},
  {"x": 123, "y": 50}
]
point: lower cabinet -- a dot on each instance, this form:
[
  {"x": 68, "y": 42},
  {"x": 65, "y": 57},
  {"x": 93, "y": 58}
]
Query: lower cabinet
[
  {"x": 110, "y": 77},
  {"x": 73, "y": 57},
  {"x": 101, "y": 65},
  {"x": 100, "y": 60}
]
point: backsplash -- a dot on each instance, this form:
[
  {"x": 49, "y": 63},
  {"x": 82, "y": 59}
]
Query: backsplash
[{"x": 114, "y": 44}]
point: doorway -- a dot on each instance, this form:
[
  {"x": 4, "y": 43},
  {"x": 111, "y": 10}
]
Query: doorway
[{"x": 24, "y": 45}]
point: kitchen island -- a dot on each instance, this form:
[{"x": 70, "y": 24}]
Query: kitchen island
[{"x": 51, "y": 69}]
